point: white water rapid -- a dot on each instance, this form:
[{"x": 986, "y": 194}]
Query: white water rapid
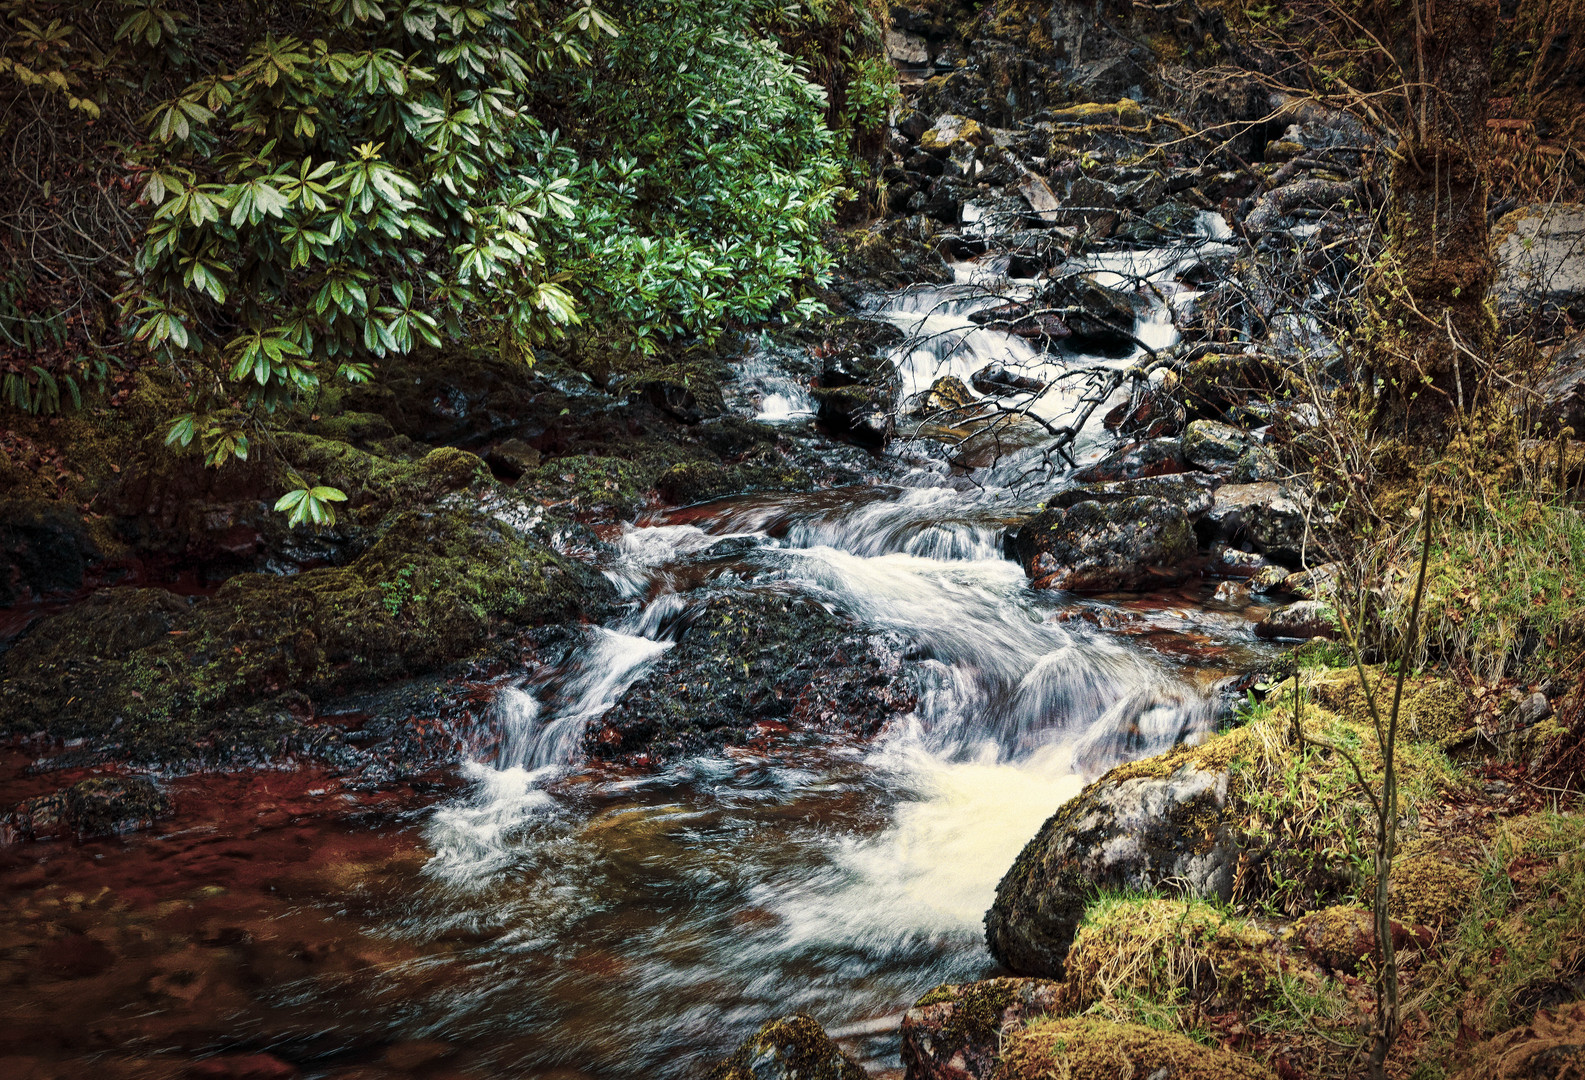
[{"x": 636, "y": 924}]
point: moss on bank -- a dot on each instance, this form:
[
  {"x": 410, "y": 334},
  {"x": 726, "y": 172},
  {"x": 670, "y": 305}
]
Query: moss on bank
[
  {"x": 1086, "y": 1048},
  {"x": 164, "y": 677}
]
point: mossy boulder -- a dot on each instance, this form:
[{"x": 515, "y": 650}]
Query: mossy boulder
[
  {"x": 1433, "y": 708},
  {"x": 1124, "y": 832},
  {"x": 698, "y": 481},
  {"x": 46, "y": 549},
  {"x": 1427, "y": 889},
  {"x": 1089, "y": 1048},
  {"x": 148, "y": 674},
  {"x": 1247, "y": 816},
  {"x": 955, "y": 1031},
  {"x": 1124, "y": 112},
  {"x": 793, "y": 1047}
]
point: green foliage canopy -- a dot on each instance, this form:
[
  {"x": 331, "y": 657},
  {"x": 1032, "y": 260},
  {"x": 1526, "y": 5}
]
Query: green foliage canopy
[{"x": 373, "y": 176}]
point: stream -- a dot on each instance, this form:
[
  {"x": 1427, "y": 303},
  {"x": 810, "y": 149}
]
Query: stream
[
  {"x": 639, "y": 926},
  {"x": 543, "y": 916}
]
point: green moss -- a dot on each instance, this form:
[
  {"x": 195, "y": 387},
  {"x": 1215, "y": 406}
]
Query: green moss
[
  {"x": 1429, "y": 890},
  {"x": 166, "y": 678},
  {"x": 791, "y": 1048},
  {"x": 1170, "y": 951},
  {"x": 977, "y": 1012},
  {"x": 1124, "y": 112},
  {"x": 1336, "y": 937},
  {"x": 1086, "y": 1048},
  {"x": 592, "y": 484}
]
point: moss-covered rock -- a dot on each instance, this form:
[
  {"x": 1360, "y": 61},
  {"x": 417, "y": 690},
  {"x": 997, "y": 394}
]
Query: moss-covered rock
[
  {"x": 1337, "y": 937},
  {"x": 1131, "y": 543},
  {"x": 1426, "y": 889},
  {"x": 955, "y": 1031},
  {"x": 149, "y": 674},
  {"x": 1086, "y": 1048},
  {"x": 1247, "y": 816},
  {"x": 794, "y": 1047}
]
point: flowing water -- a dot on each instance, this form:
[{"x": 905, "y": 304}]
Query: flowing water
[{"x": 636, "y": 925}]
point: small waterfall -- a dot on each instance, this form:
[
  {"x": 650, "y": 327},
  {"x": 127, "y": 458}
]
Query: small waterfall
[{"x": 610, "y": 664}]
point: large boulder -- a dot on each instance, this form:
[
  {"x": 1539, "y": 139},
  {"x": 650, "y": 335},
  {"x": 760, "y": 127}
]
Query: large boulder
[
  {"x": 1140, "y": 827},
  {"x": 794, "y": 1047},
  {"x": 1132, "y": 543},
  {"x": 1216, "y": 447},
  {"x": 955, "y": 1032},
  {"x": 1540, "y": 253},
  {"x": 1278, "y": 520}
]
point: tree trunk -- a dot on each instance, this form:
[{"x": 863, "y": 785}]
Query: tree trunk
[{"x": 1431, "y": 336}]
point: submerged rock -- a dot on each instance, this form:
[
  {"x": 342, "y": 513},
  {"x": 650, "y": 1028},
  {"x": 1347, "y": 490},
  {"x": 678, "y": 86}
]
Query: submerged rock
[
  {"x": 100, "y": 806},
  {"x": 1132, "y": 543},
  {"x": 955, "y": 1032},
  {"x": 794, "y": 1047}
]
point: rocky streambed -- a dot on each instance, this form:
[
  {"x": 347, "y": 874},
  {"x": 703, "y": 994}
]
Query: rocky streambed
[{"x": 626, "y": 709}]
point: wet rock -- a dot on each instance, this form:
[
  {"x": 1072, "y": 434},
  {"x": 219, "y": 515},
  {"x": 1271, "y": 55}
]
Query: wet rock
[
  {"x": 996, "y": 380},
  {"x": 511, "y": 458},
  {"x": 683, "y": 398},
  {"x": 1137, "y": 828},
  {"x": 1299, "y": 621},
  {"x": 1091, "y": 1048},
  {"x": 1232, "y": 561},
  {"x": 1155, "y": 457},
  {"x": 1023, "y": 320},
  {"x": 946, "y": 395},
  {"x": 952, "y": 132},
  {"x": 45, "y": 550},
  {"x": 1133, "y": 543},
  {"x": 1191, "y": 492},
  {"x": 1540, "y": 261},
  {"x": 745, "y": 658},
  {"x": 955, "y": 1032},
  {"x": 1214, "y": 447},
  {"x": 1101, "y": 318},
  {"x": 1278, "y": 520},
  {"x": 1269, "y": 578},
  {"x": 860, "y": 413},
  {"x": 794, "y": 1047}
]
